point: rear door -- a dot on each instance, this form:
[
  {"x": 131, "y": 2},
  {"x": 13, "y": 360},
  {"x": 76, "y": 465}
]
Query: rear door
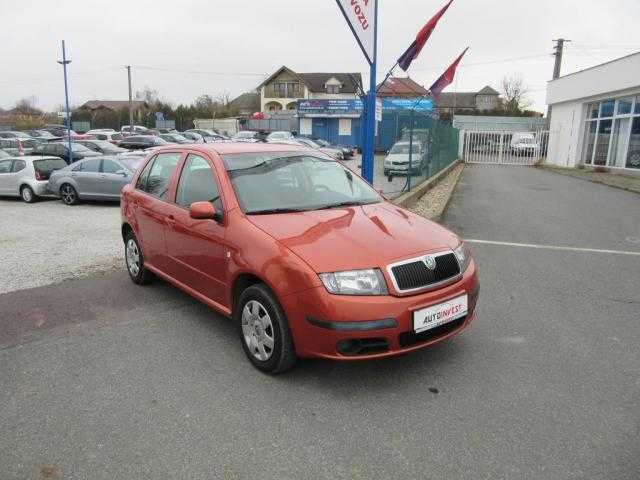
[
  {"x": 195, "y": 248},
  {"x": 114, "y": 176},
  {"x": 150, "y": 201},
  {"x": 88, "y": 178},
  {"x": 5, "y": 177}
]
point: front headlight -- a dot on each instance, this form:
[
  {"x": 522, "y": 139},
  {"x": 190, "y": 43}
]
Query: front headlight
[
  {"x": 463, "y": 255},
  {"x": 355, "y": 282}
]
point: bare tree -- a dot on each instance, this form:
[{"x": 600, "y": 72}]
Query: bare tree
[
  {"x": 27, "y": 106},
  {"x": 514, "y": 94}
]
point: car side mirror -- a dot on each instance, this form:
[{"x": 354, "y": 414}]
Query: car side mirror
[{"x": 204, "y": 211}]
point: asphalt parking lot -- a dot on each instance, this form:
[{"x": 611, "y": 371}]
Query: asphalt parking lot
[{"x": 103, "y": 379}]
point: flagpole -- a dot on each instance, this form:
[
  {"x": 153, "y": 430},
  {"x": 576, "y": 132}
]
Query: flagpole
[
  {"x": 389, "y": 73},
  {"x": 368, "y": 151}
]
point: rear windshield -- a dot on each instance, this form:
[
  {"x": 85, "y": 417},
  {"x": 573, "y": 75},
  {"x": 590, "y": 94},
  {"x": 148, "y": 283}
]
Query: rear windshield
[{"x": 48, "y": 165}]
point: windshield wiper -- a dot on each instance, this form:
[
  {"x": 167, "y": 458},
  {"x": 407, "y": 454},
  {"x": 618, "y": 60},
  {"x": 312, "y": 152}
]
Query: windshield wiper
[
  {"x": 276, "y": 210},
  {"x": 349, "y": 203}
]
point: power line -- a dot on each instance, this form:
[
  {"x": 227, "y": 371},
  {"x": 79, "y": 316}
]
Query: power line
[{"x": 201, "y": 72}]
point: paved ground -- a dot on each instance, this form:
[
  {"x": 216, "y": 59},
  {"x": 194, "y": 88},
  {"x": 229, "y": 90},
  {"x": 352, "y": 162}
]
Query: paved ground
[
  {"x": 101, "y": 379},
  {"x": 48, "y": 241},
  {"x": 626, "y": 182}
]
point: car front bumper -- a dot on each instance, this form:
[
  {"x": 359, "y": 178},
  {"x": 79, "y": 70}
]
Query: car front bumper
[{"x": 343, "y": 327}]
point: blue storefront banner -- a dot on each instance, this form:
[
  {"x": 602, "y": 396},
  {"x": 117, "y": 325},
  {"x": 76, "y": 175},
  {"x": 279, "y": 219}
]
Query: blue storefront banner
[
  {"x": 419, "y": 104},
  {"x": 330, "y": 108}
]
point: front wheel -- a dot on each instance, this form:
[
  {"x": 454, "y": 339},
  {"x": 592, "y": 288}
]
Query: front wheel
[{"x": 264, "y": 330}]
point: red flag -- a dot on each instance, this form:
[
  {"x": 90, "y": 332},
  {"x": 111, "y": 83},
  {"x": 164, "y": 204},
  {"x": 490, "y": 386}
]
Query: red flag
[
  {"x": 447, "y": 77},
  {"x": 423, "y": 35}
]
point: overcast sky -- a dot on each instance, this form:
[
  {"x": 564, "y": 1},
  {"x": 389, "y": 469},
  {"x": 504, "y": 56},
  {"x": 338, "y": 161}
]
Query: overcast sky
[{"x": 186, "y": 42}]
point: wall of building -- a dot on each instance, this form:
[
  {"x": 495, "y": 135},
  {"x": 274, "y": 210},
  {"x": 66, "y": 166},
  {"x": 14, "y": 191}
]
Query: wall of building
[{"x": 565, "y": 134}]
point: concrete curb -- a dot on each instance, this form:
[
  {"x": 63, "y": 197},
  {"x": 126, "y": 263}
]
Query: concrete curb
[
  {"x": 411, "y": 197},
  {"x": 438, "y": 217},
  {"x": 633, "y": 186}
]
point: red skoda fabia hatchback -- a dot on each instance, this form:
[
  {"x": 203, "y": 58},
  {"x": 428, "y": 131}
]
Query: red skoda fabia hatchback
[{"x": 303, "y": 254}]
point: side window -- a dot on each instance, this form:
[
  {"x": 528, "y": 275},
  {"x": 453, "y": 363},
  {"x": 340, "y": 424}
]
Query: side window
[
  {"x": 141, "y": 184},
  {"x": 197, "y": 183},
  {"x": 19, "y": 165},
  {"x": 160, "y": 174},
  {"x": 100, "y": 136},
  {"x": 5, "y": 166},
  {"x": 109, "y": 166},
  {"x": 91, "y": 166}
]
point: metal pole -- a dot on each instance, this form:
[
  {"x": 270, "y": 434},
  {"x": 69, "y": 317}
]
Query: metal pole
[
  {"x": 64, "y": 64},
  {"x": 130, "y": 101},
  {"x": 410, "y": 149},
  {"x": 559, "y": 48},
  {"x": 370, "y": 110}
]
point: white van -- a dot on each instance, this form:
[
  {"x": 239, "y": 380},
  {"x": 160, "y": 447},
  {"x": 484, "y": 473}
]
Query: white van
[
  {"x": 397, "y": 161},
  {"x": 524, "y": 143}
]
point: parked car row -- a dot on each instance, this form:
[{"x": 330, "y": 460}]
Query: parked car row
[{"x": 339, "y": 152}]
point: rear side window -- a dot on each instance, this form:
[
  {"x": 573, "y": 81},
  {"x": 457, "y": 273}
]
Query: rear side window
[
  {"x": 197, "y": 183},
  {"x": 141, "y": 184},
  {"x": 48, "y": 165},
  {"x": 19, "y": 165},
  {"x": 109, "y": 166},
  {"x": 5, "y": 166},
  {"x": 91, "y": 166},
  {"x": 157, "y": 183}
]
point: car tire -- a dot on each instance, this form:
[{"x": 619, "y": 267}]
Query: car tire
[
  {"x": 68, "y": 194},
  {"x": 134, "y": 260},
  {"x": 27, "y": 194},
  {"x": 264, "y": 330}
]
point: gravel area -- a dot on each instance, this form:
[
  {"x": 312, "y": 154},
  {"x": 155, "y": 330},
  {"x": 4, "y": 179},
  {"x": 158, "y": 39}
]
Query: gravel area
[
  {"x": 48, "y": 242},
  {"x": 625, "y": 182},
  {"x": 433, "y": 203}
]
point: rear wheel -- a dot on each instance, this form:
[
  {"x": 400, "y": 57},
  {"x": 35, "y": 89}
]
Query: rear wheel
[
  {"x": 68, "y": 194},
  {"x": 264, "y": 330},
  {"x": 27, "y": 195},
  {"x": 135, "y": 261}
]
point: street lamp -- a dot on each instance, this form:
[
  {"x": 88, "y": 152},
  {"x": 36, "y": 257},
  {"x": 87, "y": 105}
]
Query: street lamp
[{"x": 64, "y": 62}]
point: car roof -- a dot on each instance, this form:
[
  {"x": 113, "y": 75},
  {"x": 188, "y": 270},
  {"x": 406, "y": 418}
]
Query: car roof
[
  {"x": 31, "y": 158},
  {"x": 225, "y": 148}
]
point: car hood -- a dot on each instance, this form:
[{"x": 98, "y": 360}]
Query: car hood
[
  {"x": 400, "y": 157},
  {"x": 355, "y": 237}
]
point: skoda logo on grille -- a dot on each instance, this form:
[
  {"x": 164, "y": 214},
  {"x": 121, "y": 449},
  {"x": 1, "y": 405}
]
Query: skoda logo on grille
[{"x": 430, "y": 262}]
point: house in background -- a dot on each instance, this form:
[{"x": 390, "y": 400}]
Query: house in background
[
  {"x": 484, "y": 100},
  {"x": 96, "y": 106},
  {"x": 326, "y": 103},
  {"x": 245, "y": 104},
  {"x": 399, "y": 87},
  {"x": 283, "y": 89}
]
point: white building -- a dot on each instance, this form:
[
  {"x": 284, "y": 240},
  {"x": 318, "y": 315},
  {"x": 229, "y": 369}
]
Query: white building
[{"x": 595, "y": 117}]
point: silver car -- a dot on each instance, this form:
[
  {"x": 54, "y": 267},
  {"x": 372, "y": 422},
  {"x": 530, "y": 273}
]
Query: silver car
[
  {"x": 27, "y": 177},
  {"x": 98, "y": 178}
]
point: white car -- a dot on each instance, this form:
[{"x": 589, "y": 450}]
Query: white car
[
  {"x": 100, "y": 130},
  {"x": 277, "y": 136},
  {"x": 397, "y": 160},
  {"x": 524, "y": 143},
  {"x": 27, "y": 177},
  {"x": 137, "y": 129}
]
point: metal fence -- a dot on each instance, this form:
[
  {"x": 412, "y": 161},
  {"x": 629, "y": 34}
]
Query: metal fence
[
  {"x": 504, "y": 148},
  {"x": 413, "y": 146}
]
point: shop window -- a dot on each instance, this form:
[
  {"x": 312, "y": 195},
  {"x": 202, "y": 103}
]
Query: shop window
[
  {"x": 624, "y": 106},
  {"x": 594, "y": 109},
  {"x": 606, "y": 108},
  {"x": 638, "y": 104},
  {"x": 602, "y": 142},
  {"x": 633, "y": 155},
  {"x": 590, "y": 141}
]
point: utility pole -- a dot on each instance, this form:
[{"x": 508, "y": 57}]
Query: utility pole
[
  {"x": 559, "y": 48},
  {"x": 64, "y": 62},
  {"x": 130, "y": 101}
]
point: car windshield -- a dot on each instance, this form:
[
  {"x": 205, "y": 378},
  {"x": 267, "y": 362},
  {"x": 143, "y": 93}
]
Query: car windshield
[
  {"x": 291, "y": 182},
  {"x": 158, "y": 141},
  {"x": 403, "y": 148},
  {"x": 76, "y": 147},
  {"x": 104, "y": 144}
]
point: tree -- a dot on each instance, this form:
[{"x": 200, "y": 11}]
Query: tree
[
  {"x": 147, "y": 94},
  {"x": 27, "y": 106},
  {"x": 514, "y": 95}
]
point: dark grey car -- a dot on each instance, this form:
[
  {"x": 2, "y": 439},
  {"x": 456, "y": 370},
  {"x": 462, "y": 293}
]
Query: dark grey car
[{"x": 100, "y": 178}]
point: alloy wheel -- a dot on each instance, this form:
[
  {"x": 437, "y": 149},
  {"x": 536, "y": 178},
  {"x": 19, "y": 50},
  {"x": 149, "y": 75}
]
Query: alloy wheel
[
  {"x": 27, "y": 194},
  {"x": 257, "y": 330},
  {"x": 68, "y": 194},
  {"x": 133, "y": 257}
]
